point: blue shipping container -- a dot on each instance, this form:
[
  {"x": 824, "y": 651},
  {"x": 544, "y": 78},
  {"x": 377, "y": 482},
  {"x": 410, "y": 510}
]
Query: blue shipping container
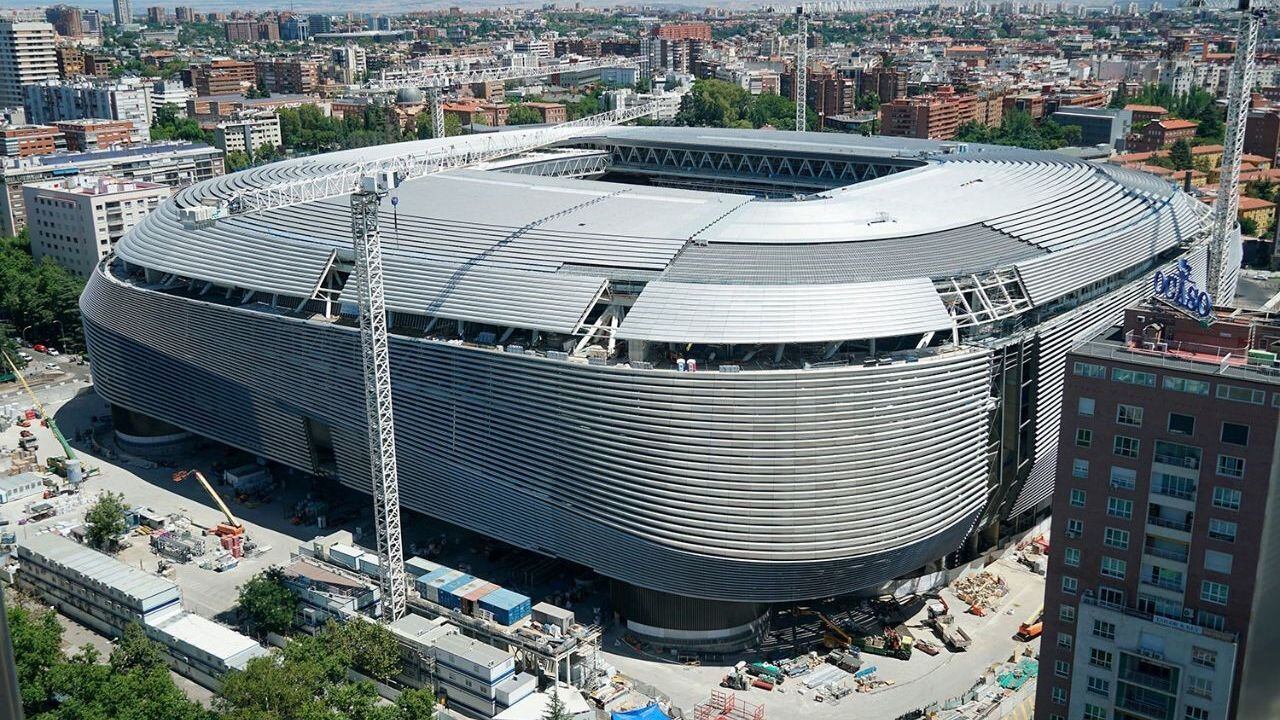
[
  {"x": 438, "y": 589},
  {"x": 508, "y": 607}
]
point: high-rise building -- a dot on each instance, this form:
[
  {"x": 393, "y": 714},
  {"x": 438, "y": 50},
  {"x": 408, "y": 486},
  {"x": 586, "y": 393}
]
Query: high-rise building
[
  {"x": 287, "y": 75},
  {"x": 320, "y": 23},
  {"x": 123, "y": 11},
  {"x": 936, "y": 115},
  {"x": 75, "y": 221},
  {"x": 27, "y": 56},
  {"x": 221, "y": 77},
  {"x": 67, "y": 21},
  {"x": 91, "y": 22},
  {"x": 241, "y": 31},
  {"x": 156, "y": 15},
  {"x": 684, "y": 31},
  {"x": 294, "y": 29},
  {"x": 184, "y": 14},
  {"x": 1161, "y": 600},
  {"x": 125, "y": 99}
]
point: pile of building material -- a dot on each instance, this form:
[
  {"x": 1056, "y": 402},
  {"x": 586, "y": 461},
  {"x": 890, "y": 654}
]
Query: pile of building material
[
  {"x": 981, "y": 591},
  {"x": 180, "y": 545}
]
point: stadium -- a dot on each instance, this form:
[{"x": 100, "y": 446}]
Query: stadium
[{"x": 724, "y": 369}]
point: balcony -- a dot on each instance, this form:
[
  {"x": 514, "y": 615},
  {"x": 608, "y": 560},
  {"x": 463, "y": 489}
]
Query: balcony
[
  {"x": 1146, "y": 708},
  {"x": 1179, "y": 556},
  {"x": 1165, "y": 584},
  {"x": 1181, "y": 493},
  {"x": 1189, "y": 462},
  {"x": 1163, "y": 683}
]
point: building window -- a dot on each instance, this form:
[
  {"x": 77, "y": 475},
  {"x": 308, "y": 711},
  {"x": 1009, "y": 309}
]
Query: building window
[
  {"x": 1123, "y": 478},
  {"x": 1113, "y": 568},
  {"x": 1098, "y": 686},
  {"x": 1120, "y": 508},
  {"x": 1130, "y": 415},
  {"x": 1172, "y": 453},
  {"x": 1133, "y": 377},
  {"x": 1235, "y": 393},
  {"x": 1224, "y": 530},
  {"x": 1195, "y": 713},
  {"x": 1084, "y": 437},
  {"x": 1100, "y": 658},
  {"x": 1075, "y": 528},
  {"x": 1069, "y": 584},
  {"x": 1218, "y": 562},
  {"x": 1181, "y": 424},
  {"x": 1067, "y": 613},
  {"x": 1104, "y": 629},
  {"x": 1089, "y": 370},
  {"x": 1226, "y": 498},
  {"x": 1071, "y": 557},
  {"x": 1199, "y": 687},
  {"x": 1235, "y": 434},
  {"x": 1214, "y": 592},
  {"x": 1093, "y": 712},
  {"x": 1065, "y": 640},
  {"x": 1059, "y": 696},
  {"x": 1204, "y": 657},
  {"x": 1080, "y": 468},
  {"x": 1077, "y": 497},
  {"x": 1085, "y": 406},
  {"x": 1126, "y": 446},
  {"x": 1062, "y": 668},
  {"x": 1213, "y": 621},
  {"x": 1231, "y": 466}
]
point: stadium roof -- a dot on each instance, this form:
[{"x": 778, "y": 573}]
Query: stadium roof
[{"x": 528, "y": 251}]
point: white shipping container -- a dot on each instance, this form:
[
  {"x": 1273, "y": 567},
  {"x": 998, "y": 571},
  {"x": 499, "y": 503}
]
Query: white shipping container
[
  {"x": 369, "y": 565},
  {"x": 345, "y": 555}
]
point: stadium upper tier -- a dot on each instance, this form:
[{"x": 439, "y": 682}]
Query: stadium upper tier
[{"x": 536, "y": 252}]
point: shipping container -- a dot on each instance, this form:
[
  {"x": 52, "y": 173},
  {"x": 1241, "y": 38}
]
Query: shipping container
[
  {"x": 370, "y": 565},
  {"x": 421, "y": 582},
  {"x": 440, "y": 586},
  {"x": 347, "y": 556},
  {"x": 418, "y": 566},
  {"x": 505, "y": 607},
  {"x": 16, "y": 487},
  {"x": 454, "y": 596}
]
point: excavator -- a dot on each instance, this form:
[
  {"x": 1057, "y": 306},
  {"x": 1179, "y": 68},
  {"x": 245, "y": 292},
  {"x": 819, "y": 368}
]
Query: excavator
[
  {"x": 231, "y": 532},
  {"x": 68, "y": 466}
]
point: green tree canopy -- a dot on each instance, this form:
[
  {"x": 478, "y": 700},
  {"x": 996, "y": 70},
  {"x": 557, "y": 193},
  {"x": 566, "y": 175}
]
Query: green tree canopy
[
  {"x": 104, "y": 523},
  {"x": 523, "y": 115},
  {"x": 268, "y": 605},
  {"x": 1180, "y": 155}
]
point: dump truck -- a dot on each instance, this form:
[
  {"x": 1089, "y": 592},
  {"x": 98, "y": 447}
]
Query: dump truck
[
  {"x": 895, "y": 643},
  {"x": 1032, "y": 628}
]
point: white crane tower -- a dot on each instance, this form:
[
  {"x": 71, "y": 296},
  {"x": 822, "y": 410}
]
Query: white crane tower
[{"x": 368, "y": 184}]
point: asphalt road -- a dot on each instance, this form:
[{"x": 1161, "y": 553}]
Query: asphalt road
[{"x": 51, "y": 384}]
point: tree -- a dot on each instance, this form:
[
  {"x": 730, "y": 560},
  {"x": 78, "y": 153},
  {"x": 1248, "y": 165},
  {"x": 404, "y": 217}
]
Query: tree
[
  {"x": 416, "y": 705},
  {"x": 365, "y": 646},
  {"x": 556, "y": 709},
  {"x": 1248, "y": 226},
  {"x": 104, "y": 523},
  {"x": 37, "y": 649},
  {"x": 267, "y": 603},
  {"x": 1180, "y": 155},
  {"x": 235, "y": 161},
  {"x": 135, "y": 651},
  {"x": 524, "y": 115}
]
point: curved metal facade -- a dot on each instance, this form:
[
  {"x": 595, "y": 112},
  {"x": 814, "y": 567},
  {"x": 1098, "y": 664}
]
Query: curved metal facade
[{"x": 754, "y": 486}]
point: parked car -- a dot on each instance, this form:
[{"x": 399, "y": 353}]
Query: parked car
[
  {"x": 38, "y": 347},
  {"x": 53, "y": 352},
  {"x": 51, "y": 365},
  {"x": 25, "y": 356}
]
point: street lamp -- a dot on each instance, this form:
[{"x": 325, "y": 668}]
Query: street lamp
[{"x": 23, "y": 334}]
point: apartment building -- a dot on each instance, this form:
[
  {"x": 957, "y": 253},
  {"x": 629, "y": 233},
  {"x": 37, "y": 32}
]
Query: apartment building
[
  {"x": 169, "y": 92},
  {"x": 27, "y": 55},
  {"x": 684, "y": 31},
  {"x": 26, "y": 140},
  {"x": 551, "y": 112},
  {"x": 127, "y": 99},
  {"x": 1161, "y": 592},
  {"x": 248, "y": 133},
  {"x": 935, "y": 116},
  {"x": 241, "y": 31},
  {"x": 287, "y": 75},
  {"x": 176, "y": 164},
  {"x": 222, "y": 77},
  {"x": 1262, "y": 132},
  {"x": 75, "y": 221},
  {"x": 85, "y": 135}
]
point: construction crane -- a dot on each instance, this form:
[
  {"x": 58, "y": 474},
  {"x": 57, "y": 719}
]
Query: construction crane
[
  {"x": 74, "y": 472},
  {"x": 1239, "y": 91},
  {"x": 368, "y": 184},
  {"x": 434, "y": 80},
  {"x": 232, "y": 527},
  {"x": 832, "y": 6}
]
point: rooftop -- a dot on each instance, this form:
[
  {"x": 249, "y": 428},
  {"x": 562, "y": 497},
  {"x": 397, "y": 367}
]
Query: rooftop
[
  {"x": 97, "y": 567},
  {"x": 96, "y": 185},
  {"x": 218, "y": 640}
]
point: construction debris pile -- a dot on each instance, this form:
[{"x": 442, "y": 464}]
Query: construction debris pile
[{"x": 981, "y": 591}]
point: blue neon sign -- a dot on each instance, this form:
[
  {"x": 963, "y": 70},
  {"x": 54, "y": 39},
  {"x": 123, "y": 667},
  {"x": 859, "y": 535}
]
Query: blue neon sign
[{"x": 1180, "y": 289}]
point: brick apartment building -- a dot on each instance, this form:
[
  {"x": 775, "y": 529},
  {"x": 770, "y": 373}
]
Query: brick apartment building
[
  {"x": 27, "y": 140},
  {"x": 1161, "y": 594},
  {"x": 478, "y": 113},
  {"x": 1146, "y": 113},
  {"x": 1262, "y": 132},
  {"x": 684, "y": 31},
  {"x": 222, "y": 77},
  {"x": 550, "y": 112},
  {"x": 936, "y": 115},
  {"x": 287, "y": 75},
  {"x": 83, "y": 135},
  {"x": 1163, "y": 133}
]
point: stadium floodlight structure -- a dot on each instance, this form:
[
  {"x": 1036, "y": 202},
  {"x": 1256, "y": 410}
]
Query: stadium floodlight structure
[
  {"x": 436, "y": 79},
  {"x": 368, "y": 184}
]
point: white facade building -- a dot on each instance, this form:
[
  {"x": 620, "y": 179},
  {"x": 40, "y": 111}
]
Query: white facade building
[
  {"x": 26, "y": 56},
  {"x": 126, "y": 99},
  {"x": 77, "y": 220},
  {"x": 123, "y": 11},
  {"x": 247, "y": 134},
  {"x": 169, "y": 92}
]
